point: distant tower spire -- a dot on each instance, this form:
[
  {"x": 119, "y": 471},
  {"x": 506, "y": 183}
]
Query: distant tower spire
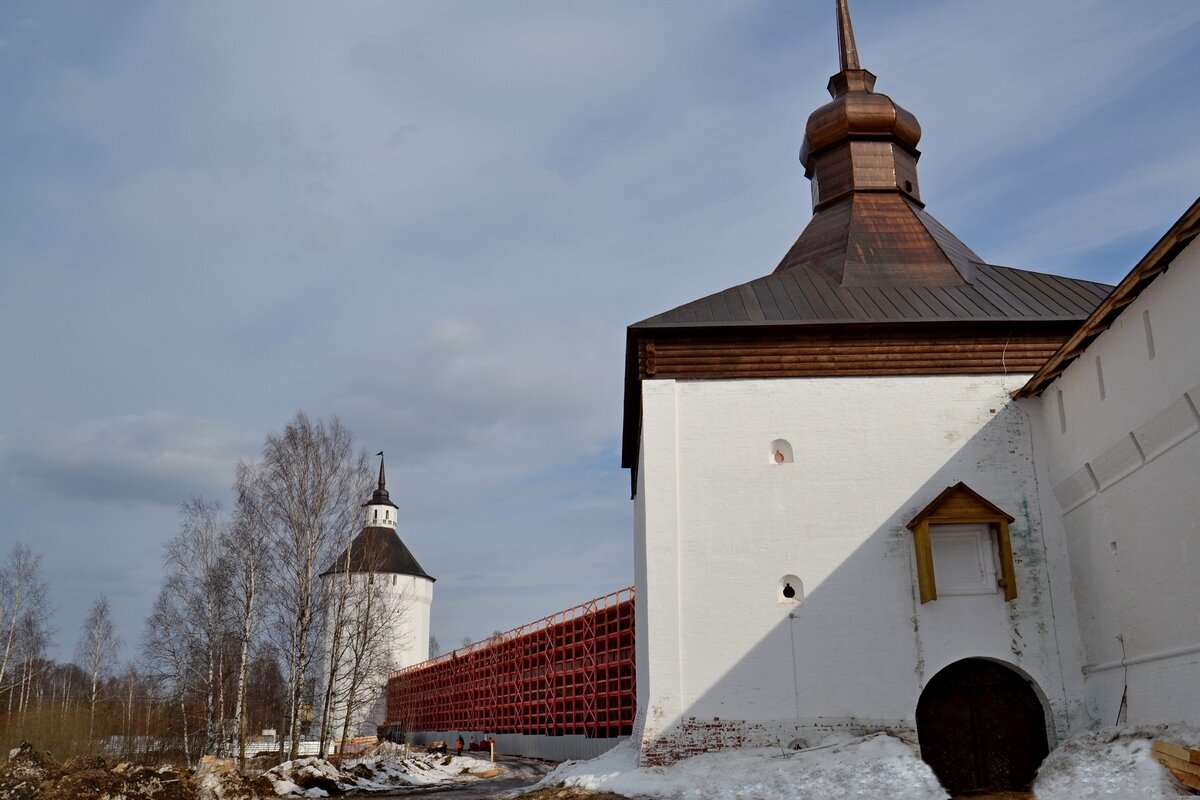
[
  {"x": 381, "y": 511},
  {"x": 847, "y": 49}
]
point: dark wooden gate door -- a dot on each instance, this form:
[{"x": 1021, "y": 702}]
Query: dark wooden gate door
[{"x": 981, "y": 728}]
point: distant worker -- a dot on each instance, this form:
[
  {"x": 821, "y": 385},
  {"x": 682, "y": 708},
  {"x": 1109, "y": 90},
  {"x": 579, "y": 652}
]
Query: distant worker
[{"x": 458, "y": 746}]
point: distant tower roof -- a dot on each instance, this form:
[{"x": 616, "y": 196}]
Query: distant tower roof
[{"x": 378, "y": 548}]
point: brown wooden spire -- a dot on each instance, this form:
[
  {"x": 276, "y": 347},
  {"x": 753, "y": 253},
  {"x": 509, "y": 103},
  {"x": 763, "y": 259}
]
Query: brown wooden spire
[
  {"x": 868, "y": 226},
  {"x": 848, "y": 50},
  {"x": 861, "y": 141}
]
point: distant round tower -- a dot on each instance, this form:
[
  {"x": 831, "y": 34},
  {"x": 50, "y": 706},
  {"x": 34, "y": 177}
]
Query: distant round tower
[{"x": 376, "y": 560}]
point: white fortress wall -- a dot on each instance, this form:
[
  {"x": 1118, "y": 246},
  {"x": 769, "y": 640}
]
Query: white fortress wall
[
  {"x": 724, "y": 658},
  {"x": 1119, "y": 438}
]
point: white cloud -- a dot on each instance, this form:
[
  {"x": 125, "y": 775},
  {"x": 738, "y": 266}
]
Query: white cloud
[{"x": 153, "y": 458}]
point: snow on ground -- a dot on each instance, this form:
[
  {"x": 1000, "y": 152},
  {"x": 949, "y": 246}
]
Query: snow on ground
[
  {"x": 841, "y": 768},
  {"x": 1112, "y": 763},
  {"x": 386, "y": 768}
]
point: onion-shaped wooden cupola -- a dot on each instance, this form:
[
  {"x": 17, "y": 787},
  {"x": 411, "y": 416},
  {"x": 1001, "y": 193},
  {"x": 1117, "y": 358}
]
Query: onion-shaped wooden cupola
[{"x": 874, "y": 285}]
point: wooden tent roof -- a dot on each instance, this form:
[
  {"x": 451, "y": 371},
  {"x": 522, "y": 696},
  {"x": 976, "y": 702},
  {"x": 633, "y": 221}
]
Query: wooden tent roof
[
  {"x": 872, "y": 273},
  {"x": 882, "y": 258}
]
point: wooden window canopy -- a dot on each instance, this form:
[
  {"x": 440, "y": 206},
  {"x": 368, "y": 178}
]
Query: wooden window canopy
[{"x": 958, "y": 505}]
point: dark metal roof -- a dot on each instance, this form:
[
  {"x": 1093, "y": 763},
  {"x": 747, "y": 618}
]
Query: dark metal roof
[
  {"x": 378, "y": 550},
  {"x": 882, "y": 258}
]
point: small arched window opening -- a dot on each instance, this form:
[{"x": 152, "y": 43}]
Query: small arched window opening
[
  {"x": 781, "y": 452},
  {"x": 790, "y": 589}
]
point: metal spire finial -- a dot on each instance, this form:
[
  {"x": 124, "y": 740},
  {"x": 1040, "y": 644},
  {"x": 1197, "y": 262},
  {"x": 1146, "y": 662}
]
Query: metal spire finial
[
  {"x": 381, "y": 481},
  {"x": 847, "y": 49}
]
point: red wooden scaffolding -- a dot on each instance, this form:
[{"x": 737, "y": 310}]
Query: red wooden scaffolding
[{"x": 568, "y": 673}]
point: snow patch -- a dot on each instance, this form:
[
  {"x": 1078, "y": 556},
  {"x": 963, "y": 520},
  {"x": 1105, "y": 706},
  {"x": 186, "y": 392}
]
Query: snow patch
[
  {"x": 842, "y": 767},
  {"x": 386, "y": 768},
  {"x": 1113, "y": 763}
]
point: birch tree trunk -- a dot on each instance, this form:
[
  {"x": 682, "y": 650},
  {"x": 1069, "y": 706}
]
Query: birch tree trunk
[
  {"x": 337, "y": 619},
  {"x": 187, "y": 747},
  {"x": 247, "y": 538}
]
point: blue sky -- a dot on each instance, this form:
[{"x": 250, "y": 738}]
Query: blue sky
[{"x": 435, "y": 219}]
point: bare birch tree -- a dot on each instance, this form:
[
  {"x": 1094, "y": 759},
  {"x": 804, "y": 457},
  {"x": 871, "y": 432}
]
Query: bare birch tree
[
  {"x": 310, "y": 483},
  {"x": 22, "y": 603},
  {"x": 197, "y": 580},
  {"x": 165, "y": 652},
  {"x": 96, "y": 652},
  {"x": 29, "y": 655}
]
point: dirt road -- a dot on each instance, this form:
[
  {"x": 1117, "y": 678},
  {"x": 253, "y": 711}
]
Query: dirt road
[{"x": 476, "y": 790}]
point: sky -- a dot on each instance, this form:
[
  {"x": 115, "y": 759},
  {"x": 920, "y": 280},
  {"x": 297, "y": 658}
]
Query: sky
[{"x": 434, "y": 220}]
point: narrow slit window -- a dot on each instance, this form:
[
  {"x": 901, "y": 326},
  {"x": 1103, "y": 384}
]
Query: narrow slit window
[{"x": 1149, "y": 334}]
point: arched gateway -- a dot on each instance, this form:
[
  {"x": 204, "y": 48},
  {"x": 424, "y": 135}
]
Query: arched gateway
[{"x": 981, "y": 727}]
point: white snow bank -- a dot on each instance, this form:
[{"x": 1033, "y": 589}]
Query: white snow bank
[
  {"x": 310, "y": 777},
  {"x": 221, "y": 783},
  {"x": 842, "y": 767},
  {"x": 1112, "y": 763},
  {"x": 386, "y": 768}
]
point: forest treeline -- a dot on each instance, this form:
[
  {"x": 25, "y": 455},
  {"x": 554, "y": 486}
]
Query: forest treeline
[{"x": 240, "y": 634}]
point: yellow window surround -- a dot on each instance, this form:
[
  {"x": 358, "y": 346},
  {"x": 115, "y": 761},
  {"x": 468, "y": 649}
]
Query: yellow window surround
[{"x": 958, "y": 505}]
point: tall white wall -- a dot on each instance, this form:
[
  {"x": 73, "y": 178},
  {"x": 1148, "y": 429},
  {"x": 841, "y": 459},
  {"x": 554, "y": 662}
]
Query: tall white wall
[
  {"x": 722, "y": 659},
  {"x": 1124, "y": 464},
  {"x": 408, "y": 599}
]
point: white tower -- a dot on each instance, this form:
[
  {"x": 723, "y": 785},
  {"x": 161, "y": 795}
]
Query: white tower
[{"x": 376, "y": 566}]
